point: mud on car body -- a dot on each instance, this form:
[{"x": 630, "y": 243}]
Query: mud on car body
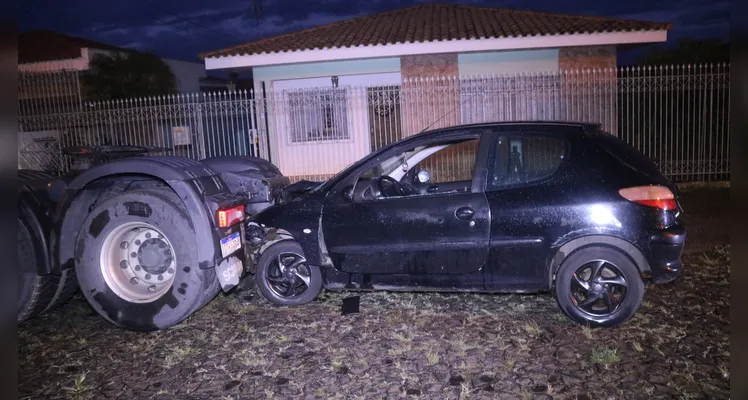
[{"x": 504, "y": 207}]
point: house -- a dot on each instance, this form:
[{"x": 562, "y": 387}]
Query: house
[
  {"x": 48, "y": 51},
  {"x": 389, "y": 50}
]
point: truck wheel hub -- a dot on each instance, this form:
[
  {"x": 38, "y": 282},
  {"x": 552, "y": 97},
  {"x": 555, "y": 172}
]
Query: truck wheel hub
[
  {"x": 138, "y": 262},
  {"x": 155, "y": 256}
]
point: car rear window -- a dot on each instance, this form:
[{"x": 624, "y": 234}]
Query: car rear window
[
  {"x": 626, "y": 154},
  {"x": 526, "y": 159}
]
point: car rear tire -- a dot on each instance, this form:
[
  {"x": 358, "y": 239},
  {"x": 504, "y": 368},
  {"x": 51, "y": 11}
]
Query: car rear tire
[
  {"x": 284, "y": 277},
  {"x": 39, "y": 293},
  {"x": 599, "y": 286},
  {"x": 137, "y": 261}
]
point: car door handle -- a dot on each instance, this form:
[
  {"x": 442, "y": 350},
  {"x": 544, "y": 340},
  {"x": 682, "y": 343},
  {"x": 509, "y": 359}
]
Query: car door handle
[{"x": 464, "y": 213}]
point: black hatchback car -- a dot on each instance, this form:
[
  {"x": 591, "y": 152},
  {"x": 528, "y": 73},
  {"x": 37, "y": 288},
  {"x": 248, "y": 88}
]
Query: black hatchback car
[{"x": 503, "y": 207}]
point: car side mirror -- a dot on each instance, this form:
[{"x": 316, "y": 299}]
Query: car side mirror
[
  {"x": 348, "y": 193},
  {"x": 424, "y": 176}
]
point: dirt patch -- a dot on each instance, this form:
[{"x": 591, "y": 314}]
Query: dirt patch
[
  {"x": 706, "y": 214},
  {"x": 403, "y": 345}
]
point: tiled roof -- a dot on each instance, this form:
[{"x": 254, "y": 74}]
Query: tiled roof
[
  {"x": 44, "y": 45},
  {"x": 435, "y": 22}
]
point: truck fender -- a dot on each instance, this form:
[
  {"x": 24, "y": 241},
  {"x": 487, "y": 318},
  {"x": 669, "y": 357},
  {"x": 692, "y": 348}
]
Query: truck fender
[
  {"x": 27, "y": 217},
  {"x": 239, "y": 163},
  {"x": 190, "y": 179},
  {"x": 34, "y": 209}
]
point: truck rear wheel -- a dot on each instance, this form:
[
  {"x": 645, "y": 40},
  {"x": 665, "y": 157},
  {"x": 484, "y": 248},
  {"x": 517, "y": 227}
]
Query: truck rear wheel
[
  {"x": 137, "y": 261},
  {"x": 39, "y": 293}
]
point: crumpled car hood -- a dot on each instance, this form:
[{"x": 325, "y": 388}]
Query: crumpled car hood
[{"x": 298, "y": 190}]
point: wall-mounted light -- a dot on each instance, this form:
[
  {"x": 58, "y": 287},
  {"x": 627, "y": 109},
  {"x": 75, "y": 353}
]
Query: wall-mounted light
[{"x": 334, "y": 81}]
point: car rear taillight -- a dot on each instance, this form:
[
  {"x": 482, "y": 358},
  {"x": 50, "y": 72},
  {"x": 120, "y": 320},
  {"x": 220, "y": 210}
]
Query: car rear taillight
[
  {"x": 230, "y": 216},
  {"x": 651, "y": 196}
]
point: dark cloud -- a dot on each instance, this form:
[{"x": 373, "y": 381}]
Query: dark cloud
[{"x": 182, "y": 29}]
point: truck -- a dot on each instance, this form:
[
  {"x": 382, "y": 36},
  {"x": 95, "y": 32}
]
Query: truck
[{"x": 148, "y": 239}]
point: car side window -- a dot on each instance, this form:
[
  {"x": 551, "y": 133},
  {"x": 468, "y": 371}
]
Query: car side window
[
  {"x": 426, "y": 170},
  {"x": 522, "y": 160},
  {"x": 455, "y": 163}
]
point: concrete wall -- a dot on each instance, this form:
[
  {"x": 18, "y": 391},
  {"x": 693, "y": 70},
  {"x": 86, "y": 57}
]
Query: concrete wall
[
  {"x": 508, "y": 62},
  {"x": 433, "y": 104},
  {"x": 596, "y": 98},
  {"x": 330, "y": 156},
  {"x": 428, "y": 104},
  {"x": 323, "y": 69},
  {"x": 587, "y": 57},
  {"x": 188, "y": 74}
]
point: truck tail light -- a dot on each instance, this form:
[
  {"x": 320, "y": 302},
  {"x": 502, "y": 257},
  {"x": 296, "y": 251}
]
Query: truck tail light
[
  {"x": 650, "y": 196},
  {"x": 230, "y": 216}
]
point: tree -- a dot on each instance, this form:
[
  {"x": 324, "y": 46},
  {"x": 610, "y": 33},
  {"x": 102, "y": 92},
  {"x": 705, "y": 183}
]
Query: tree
[
  {"x": 690, "y": 51},
  {"x": 128, "y": 75}
]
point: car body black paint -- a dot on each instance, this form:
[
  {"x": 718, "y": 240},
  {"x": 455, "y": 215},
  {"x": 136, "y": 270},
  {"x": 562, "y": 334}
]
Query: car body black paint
[{"x": 376, "y": 244}]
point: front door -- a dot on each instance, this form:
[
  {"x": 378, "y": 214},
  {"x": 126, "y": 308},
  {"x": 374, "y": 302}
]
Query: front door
[{"x": 396, "y": 225}]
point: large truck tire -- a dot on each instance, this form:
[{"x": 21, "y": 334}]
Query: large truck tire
[
  {"x": 39, "y": 293},
  {"x": 136, "y": 261}
]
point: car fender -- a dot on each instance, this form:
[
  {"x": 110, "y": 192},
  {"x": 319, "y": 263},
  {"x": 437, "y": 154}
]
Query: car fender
[
  {"x": 572, "y": 245},
  {"x": 301, "y": 220},
  {"x": 190, "y": 179}
]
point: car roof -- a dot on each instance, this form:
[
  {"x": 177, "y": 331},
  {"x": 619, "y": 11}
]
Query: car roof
[
  {"x": 502, "y": 126},
  {"x": 506, "y": 124}
]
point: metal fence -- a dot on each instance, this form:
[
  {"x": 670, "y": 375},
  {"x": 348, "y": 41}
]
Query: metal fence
[{"x": 677, "y": 115}]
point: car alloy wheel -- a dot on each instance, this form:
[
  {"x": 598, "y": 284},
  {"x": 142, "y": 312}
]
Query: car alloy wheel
[
  {"x": 598, "y": 288},
  {"x": 288, "y": 276},
  {"x": 581, "y": 291}
]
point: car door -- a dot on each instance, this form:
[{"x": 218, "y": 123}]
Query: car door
[
  {"x": 526, "y": 199},
  {"x": 437, "y": 232}
]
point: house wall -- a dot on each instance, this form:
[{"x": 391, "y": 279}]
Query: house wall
[
  {"x": 330, "y": 156},
  {"x": 323, "y": 69},
  {"x": 509, "y": 62},
  {"x": 188, "y": 74},
  {"x": 587, "y": 57},
  {"x": 597, "y": 99},
  {"x": 418, "y": 110},
  {"x": 419, "y": 93},
  {"x": 495, "y": 102},
  {"x": 270, "y": 74}
]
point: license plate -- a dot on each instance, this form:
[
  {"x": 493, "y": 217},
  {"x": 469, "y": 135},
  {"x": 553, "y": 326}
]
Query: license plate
[{"x": 231, "y": 244}]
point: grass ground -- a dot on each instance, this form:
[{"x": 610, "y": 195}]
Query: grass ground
[{"x": 427, "y": 346}]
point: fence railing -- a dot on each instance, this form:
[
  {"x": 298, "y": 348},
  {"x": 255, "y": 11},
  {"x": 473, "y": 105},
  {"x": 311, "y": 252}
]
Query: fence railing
[{"x": 677, "y": 115}]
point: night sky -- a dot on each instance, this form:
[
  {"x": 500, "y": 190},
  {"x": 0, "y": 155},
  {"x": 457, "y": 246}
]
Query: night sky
[{"x": 182, "y": 29}]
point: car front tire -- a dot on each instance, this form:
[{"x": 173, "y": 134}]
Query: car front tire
[
  {"x": 137, "y": 261},
  {"x": 284, "y": 277},
  {"x": 599, "y": 286}
]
